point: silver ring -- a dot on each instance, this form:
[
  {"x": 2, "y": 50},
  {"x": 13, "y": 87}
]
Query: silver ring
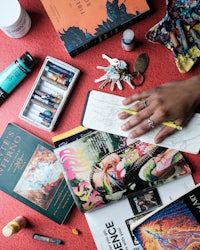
[
  {"x": 144, "y": 102},
  {"x": 151, "y": 123}
]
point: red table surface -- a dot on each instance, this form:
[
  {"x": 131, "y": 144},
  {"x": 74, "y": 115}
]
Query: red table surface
[{"x": 41, "y": 41}]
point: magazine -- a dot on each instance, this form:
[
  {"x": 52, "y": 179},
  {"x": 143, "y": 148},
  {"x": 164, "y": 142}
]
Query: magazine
[
  {"x": 101, "y": 168},
  {"x": 174, "y": 226},
  {"x": 112, "y": 226}
]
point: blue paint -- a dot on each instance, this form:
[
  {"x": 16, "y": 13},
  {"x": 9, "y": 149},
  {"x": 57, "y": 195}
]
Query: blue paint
[{"x": 14, "y": 74}]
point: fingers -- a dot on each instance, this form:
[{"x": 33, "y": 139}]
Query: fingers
[
  {"x": 163, "y": 133},
  {"x": 166, "y": 131},
  {"x": 135, "y": 119},
  {"x": 143, "y": 128},
  {"x": 139, "y": 130},
  {"x": 137, "y": 106},
  {"x": 151, "y": 112},
  {"x": 141, "y": 124},
  {"x": 136, "y": 97},
  {"x": 144, "y": 121}
]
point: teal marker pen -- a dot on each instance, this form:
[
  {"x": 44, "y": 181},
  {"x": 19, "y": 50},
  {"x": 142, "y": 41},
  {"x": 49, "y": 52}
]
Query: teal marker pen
[{"x": 14, "y": 74}]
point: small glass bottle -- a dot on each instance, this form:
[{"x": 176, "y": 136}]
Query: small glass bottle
[
  {"x": 128, "y": 40},
  {"x": 14, "y": 74},
  {"x": 14, "y": 226}
]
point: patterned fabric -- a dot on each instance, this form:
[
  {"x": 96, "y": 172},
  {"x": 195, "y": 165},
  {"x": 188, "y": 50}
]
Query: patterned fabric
[{"x": 179, "y": 31}]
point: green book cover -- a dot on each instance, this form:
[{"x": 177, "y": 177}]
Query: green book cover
[{"x": 31, "y": 173}]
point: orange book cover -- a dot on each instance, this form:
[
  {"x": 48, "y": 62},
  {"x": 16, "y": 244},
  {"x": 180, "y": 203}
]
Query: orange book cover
[{"x": 81, "y": 24}]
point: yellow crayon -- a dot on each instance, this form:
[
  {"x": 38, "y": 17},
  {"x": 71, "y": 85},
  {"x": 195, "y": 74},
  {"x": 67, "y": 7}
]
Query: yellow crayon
[{"x": 169, "y": 123}]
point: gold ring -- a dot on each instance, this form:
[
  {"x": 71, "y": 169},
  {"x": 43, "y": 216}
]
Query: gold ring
[{"x": 151, "y": 123}]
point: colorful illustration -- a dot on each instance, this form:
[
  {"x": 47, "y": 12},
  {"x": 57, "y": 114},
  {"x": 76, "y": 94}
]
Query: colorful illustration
[
  {"x": 179, "y": 31},
  {"x": 41, "y": 178},
  {"x": 174, "y": 227},
  {"x": 101, "y": 168}
]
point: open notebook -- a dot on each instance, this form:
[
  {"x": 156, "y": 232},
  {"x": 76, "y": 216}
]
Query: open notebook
[{"x": 101, "y": 110}]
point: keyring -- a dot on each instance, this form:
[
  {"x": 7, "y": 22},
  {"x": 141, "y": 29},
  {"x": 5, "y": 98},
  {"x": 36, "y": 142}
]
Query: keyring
[{"x": 138, "y": 78}]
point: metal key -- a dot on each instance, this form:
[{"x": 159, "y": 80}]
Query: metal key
[
  {"x": 101, "y": 86},
  {"x": 102, "y": 78},
  {"x": 119, "y": 85},
  {"x": 109, "y": 70},
  {"x": 122, "y": 65},
  {"x": 104, "y": 68},
  {"x": 112, "y": 61},
  {"x": 128, "y": 79},
  {"x": 114, "y": 78}
]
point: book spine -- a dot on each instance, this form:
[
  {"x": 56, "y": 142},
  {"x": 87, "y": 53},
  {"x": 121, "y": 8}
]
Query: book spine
[{"x": 108, "y": 34}]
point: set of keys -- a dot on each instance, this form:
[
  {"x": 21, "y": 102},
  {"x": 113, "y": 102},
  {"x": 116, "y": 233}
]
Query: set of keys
[{"x": 117, "y": 72}]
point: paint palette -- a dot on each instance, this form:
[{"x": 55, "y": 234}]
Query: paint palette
[{"x": 49, "y": 94}]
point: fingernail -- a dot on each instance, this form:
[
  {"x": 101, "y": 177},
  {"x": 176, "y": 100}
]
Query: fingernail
[
  {"x": 123, "y": 127},
  {"x": 158, "y": 140},
  {"x": 132, "y": 135}
]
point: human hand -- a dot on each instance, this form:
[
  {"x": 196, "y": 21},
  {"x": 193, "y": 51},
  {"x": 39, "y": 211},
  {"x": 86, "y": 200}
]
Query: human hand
[{"x": 173, "y": 101}]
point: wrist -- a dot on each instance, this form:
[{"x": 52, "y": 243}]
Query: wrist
[{"x": 193, "y": 87}]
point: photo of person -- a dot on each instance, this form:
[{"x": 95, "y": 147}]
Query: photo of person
[{"x": 145, "y": 201}]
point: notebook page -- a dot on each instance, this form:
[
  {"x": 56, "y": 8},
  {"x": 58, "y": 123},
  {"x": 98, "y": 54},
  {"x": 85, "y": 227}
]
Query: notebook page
[{"x": 101, "y": 113}]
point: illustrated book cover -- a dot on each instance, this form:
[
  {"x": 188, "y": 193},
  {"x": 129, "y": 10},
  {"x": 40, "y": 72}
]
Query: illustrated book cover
[
  {"x": 174, "y": 226},
  {"x": 101, "y": 113},
  {"x": 101, "y": 168},
  {"x": 31, "y": 173},
  {"x": 83, "y": 24}
]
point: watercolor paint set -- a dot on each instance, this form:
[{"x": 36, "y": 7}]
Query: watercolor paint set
[{"x": 49, "y": 93}]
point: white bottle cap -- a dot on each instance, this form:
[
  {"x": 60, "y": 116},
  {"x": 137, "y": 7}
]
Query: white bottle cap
[
  {"x": 10, "y": 12},
  {"x": 128, "y": 40},
  {"x": 14, "y": 20},
  {"x": 128, "y": 36}
]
